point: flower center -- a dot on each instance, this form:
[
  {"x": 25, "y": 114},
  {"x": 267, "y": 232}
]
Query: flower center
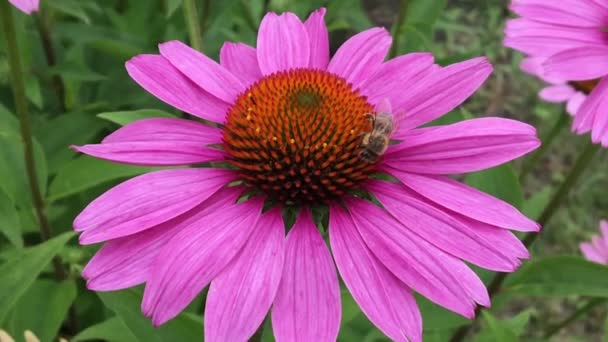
[
  {"x": 585, "y": 86},
  {"x": 297, "y": 136}
]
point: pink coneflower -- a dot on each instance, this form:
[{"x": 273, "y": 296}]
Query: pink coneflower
[
  {"x": 26, "y": 6},
  {"x": 597, "y": 249},
  {"x": 293, "y": 125},
  {"x": 567, "y": 45}
]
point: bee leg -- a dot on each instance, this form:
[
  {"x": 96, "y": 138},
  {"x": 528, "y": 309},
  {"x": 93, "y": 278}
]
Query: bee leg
[
  {"x": 368, "y": 156},
  {"x": 370, "y": 117},
  {"x": 365, "y": 140}
]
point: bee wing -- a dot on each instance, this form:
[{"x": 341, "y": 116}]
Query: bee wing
[
  {"x": 384, "y": 106},
  {"x": 398, "y": 118}
]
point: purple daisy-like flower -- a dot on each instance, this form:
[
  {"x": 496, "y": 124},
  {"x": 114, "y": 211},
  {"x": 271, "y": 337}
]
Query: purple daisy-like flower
[
  {"x": 293, "y": 125},
  {"x": 566, "y": 43}
]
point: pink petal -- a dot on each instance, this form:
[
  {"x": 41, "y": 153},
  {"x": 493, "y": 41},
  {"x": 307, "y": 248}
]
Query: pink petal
[
  {"x": 600, "y": 246},
  {"x": 437, "y": 226},
  {"x": 241, "y": 295},
  {"x": 159, "y": 141},
  {"x": 202, "y": 70},
  {"x": 442, "y": 91},
  {"x": 395, "y": 75},
  {"x": 593, "y": 113},
  {"x": 155, "y": 74},
  {"x": 165, "y": 129},
  {"x": 591, "y": 254},
  {"x": 384, "y": 299},
  {"x": 466, "y": 146},
  {"x": 361, "y": 56},
  {"x": 598, "y": 102},
  {"x": 198, "y": 253},
  {"x": 467, "y": 201},
  {"x": 307, "y": 306},
  {"x": 575, "y": 103},
  {"x": 438, "y": 276},
  {"x": 283, "y": 43},
  {"x": 541, "y": 39},
  {"x": 579, "y": 64},
  {"x": 557, "y": 93},
  {"x": 147, "y": 200},
  {"x": 126, "y": 261},
  {"x": 534, "y": 66},
  {"x": 153, "y": 153},
  {"x": 26, "y": 6},
  {"x": 319, "y": 39},
  {"x": 563, "y": 12},
  {"x": 241, "y": 60}
]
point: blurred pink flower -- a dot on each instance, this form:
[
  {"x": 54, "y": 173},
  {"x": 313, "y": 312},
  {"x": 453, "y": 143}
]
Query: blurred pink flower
[
  {"x": 558, "y": 91},
  {"x": 293, "y": 121},
  {"x": 26, "y": 6},
  {"x": 597, "y": 249},
  {"x": 567, "y": 45}
]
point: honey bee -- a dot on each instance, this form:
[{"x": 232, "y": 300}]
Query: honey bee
[{"x": 376, "y": 142}]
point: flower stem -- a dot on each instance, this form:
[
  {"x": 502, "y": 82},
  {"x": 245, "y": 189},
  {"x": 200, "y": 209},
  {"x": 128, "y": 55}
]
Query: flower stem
[
  {"x": 577, "y": 170},
  {"x": 397, "y": 25},
  {"x": 42, "y": 25},
  {"x": 18, "y": 86},
  {"x": 193, "y": 22},
  {"x": 592, "y": 303},
  {"x": 547, "y": 141},
  {"x": 589, "y": 151}
]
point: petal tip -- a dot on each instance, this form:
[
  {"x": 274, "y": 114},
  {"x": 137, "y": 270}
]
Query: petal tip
[
  {"x": 76, "y": 148},
  {"x": 169, "y": 44}
]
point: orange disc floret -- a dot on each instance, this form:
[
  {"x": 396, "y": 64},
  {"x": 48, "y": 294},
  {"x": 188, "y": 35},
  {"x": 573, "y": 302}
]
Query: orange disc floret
[{"x": 296, "y": 135}]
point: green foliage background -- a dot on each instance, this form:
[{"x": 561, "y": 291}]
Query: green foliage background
[{"x": 93, "y": 39}]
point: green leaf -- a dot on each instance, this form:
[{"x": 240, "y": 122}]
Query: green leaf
[
  {"x": 498, "y": 330},
  {"x": 560, "y": 276},
  {"x": 18, "y": 274},
  {"x": 58, "y": 134},
  {"x": 417, "y": 32},
  {"x": 350, "y": 308},
  {"x": 125, "y": 117},
  {"x": 534, "y": 205},
  {"x": 500, "y": 181},
  {"x": 33, "y": 91},
  {"x": 518, "y": 323},
  {"x": 172, "y": 6},
  {"x": 111, "y": 330},
  {"x": 8, "y": 121},
  {"x": 9, "y": 220},
  {"x": 119, "y": 49},
  {"x": 448, "y": 119},
  {"x": 86, "y": 172},
  {"x": 12, "y": 166},
  {"x": 71, "y": 8},
  {"x": 126, "y": 305},
  {"x": 425, "y": 11},
  {"x": 76, "y": 73},
  {"x": 510, "y": 328},
  {"x": 43, "y": 308},
  {"x": 436, "y": 317}
]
